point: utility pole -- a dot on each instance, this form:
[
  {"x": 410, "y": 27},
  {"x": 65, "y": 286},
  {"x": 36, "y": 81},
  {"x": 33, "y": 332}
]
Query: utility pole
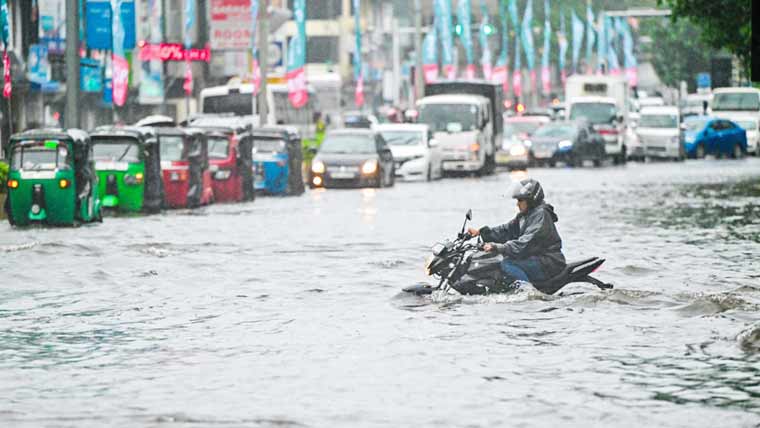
[
  {"x": 72, "y": 64},
  {"x": 263, "y": 60},
  {"x": 418, "y": 82}
]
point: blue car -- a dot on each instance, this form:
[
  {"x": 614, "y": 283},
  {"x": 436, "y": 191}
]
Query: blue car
[
  {"x": 277, "y": 159},
  {"x": 706, "y": 135}
]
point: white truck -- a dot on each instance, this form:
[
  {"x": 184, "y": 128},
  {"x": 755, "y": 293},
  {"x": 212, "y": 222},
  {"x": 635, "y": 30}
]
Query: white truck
[
  {"x": 603, "y": 102},
  {"x": 741, "y": 105},
  {"x": 466, "y": 121}
]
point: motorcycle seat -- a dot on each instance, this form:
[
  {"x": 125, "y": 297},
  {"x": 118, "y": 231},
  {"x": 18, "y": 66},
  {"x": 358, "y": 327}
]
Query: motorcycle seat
[{"x": 573, "y": 272}]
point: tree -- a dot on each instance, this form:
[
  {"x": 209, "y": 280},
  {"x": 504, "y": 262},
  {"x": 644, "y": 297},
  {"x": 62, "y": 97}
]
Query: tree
[
  {"x": 677, "y": 52},
  {"x": 725, "y": 24}
]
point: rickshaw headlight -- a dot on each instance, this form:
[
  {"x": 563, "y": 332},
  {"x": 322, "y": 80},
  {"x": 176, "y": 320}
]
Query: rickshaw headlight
[
  {"x": 222, "y": 174},
  {"x": 63, "y": 183},
  {"x": 139, "y": 177},
  {"x": 318, "y": 167},
  {"x": 13, "y": 184}
]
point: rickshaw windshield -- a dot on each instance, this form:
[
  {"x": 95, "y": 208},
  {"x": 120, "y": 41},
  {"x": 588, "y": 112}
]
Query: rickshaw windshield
[
  {"x": 116, "y": 150},
  {"x": 40, "y": 156},
  {"x": 218, "y": 147},
  {"x": 173, "y": 148},
  {"x": 269, "y": 146}
]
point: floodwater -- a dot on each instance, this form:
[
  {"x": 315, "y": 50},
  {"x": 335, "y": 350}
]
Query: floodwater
[{"x": 286, "y": 312}]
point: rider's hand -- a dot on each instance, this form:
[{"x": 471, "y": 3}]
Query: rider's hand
[
  {"x": 473, "y": 232},
  {"x": 489, "y": 248}
]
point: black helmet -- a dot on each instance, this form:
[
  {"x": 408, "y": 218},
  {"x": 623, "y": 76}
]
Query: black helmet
[{"x": 529, "y": 190}]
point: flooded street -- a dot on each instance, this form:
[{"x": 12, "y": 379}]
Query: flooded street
[{"x": 287, "y": 312}]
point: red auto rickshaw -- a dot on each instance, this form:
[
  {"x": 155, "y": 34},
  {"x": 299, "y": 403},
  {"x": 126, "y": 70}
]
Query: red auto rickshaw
[
  {"x": 185, "y": 167},
  {"x": 230, "y": 159}
]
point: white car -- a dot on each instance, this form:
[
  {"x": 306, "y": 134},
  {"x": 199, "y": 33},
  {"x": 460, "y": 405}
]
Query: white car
[
  {"x": 416, "y": 153},
  {"x": 659, "y": 132},
  {"x": 751, "y": 125}
]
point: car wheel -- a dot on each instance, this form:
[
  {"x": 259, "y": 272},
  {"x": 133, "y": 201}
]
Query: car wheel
[
  {"x": 430, "y": 172},
  {"x": 392, "y": 181},
  {"x": 700, "y": 152},
  {"x": 738, "y": 152}
]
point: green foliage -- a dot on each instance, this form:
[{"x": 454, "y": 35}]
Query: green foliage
[
  {"x": 677, "y": 51},
  {"x": 3, "y": 175},
  {"x": 725, "y": 24}
]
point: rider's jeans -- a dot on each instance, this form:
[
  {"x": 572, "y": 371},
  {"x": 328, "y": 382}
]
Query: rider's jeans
[{"x": 523, "y": 270}]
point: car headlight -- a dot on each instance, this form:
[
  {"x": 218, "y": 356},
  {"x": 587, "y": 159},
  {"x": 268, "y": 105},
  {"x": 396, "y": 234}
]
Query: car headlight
[
  {"x": 318, "y": 167},
  {"x": 222, "y": 174},
  {"x": 565, "y": 144},
  {"x": 518, "y": 150},
  {"x": 369, "y": 167}
]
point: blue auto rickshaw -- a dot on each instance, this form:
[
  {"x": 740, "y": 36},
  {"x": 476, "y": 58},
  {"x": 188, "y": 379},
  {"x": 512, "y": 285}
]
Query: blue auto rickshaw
[{"x": 277, "y": 159}]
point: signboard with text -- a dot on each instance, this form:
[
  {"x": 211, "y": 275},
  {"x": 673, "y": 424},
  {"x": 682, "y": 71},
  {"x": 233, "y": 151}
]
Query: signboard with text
[
  {"x": 230, "y": 24},
  {"x": 99, "y": 35}
]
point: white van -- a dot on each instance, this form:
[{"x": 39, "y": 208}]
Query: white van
[{"x": 659, "y": 131}]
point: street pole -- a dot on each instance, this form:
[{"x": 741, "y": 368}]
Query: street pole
[
  {"x": 263, "y": 60},
  {"x": 72, "y": 64},
  {"x": 418, "y": 82}
]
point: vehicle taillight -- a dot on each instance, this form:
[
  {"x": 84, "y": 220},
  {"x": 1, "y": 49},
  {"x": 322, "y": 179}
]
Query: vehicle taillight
[{"x": 608, "y": 131}]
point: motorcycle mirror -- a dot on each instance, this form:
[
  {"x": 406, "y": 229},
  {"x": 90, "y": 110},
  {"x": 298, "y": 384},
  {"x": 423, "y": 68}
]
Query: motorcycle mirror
[{"x": 469, "y": 214}]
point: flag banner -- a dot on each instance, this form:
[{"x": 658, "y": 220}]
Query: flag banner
[
  {"x": 601, "y": 46},
  {"x": 120, "y": 74},
  {"x": 546, "y": 77},
  {"x": 4, "y": 34},
  {"x": 629, "y": 59},
  {"x": 485, "y": 59},
  {"x": 500, "y": 73},
  {"x": 443, "y": 20},
  {"x": 464, "y": 16},
  {"x": 527, "y": 36},
  {"x": 590, "y": 37},
  {"x": 578, "y": 29},
  {"x": 255, "y": 71},
  {"x": 613, "y": 63},
  {"x": 563, "y": 44},
  {"x": 189, "y": 21},
  {"x": 358, "y": 77},
  {"x": 296, "y": 69},
  {"x": 430, "y": 56}
]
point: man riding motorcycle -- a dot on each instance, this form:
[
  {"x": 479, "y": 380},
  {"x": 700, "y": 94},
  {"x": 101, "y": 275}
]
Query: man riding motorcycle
[{"x": 530, "y": 244}]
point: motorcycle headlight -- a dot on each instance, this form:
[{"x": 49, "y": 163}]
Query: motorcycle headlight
[
  {"x": 369, "y": 167},
  {"x": 517, "y": 150},
  {"x": 318, "y": 167},
  {"x": 438, "y": 249},
  {"x": 565, "y": 144}
]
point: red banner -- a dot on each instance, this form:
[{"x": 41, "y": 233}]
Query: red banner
[
  {"x": 430, "y": 71},
  {"x": 359, "y": 94},
  {"x": 7, "y": 87},
  {"x": 172, "y": 52},
  {"x": 120, "y": 80},
  {"x": 188, "y": 85},
  {"x": 297, "y": 92}
]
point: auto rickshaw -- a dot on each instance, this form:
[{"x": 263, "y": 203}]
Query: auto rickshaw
[
  {"x": 52, "y": 178},
  {"x": 185, "y": 167},
  {"x": 277, "y": 158},
  {"x": 128, "y": 164},
  {"x": 230, "y": 159}
]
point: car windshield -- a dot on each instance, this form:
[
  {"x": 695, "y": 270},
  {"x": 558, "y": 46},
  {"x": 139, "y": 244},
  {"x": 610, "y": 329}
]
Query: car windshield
[
  {"x": 747, "y": 125},
  {"x": 736, "y": 101},
  {"x": 347, "y": 143},
  {"x": 218, "y": 147},
  {"x": 39, "y": 156},
  {"x": 172, "y": 148},
  {"x": 555, "y": 130},
  {"x": 116, "y": 150},
  {"x": 269, "y": 146},
  {"x": 658, "y": 121},
  {"x": 595, "y": 113},
  {"x": 403, "y": 138},
  {"x": 695, "y": 125},
  {"x": 239, "y": 104},
  {"x": 523, "y": 127},
  {"x": 439, "y": 116}
]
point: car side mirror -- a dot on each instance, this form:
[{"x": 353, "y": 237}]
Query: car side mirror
[
  {"x": 682, "y": 126},
  {"x": 469, "y": 215},
  {"x": 432, "y": 143}
]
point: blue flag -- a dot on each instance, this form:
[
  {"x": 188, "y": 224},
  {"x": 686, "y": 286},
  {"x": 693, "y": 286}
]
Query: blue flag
[
  {"x": 445, "y": 26},
  {"x": 485, "y": 59},
  {"x": 527, "y": 36},
  {"x": 578, "y": 29},
  {"x": 464, "y": 15},
  {"x": 601, "y": 45},
  {"x": 4, "y": 23},
  {"x": 612, "y": 57}
]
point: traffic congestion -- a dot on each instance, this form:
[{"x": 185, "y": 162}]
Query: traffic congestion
[{"x": 459, "y": 128}]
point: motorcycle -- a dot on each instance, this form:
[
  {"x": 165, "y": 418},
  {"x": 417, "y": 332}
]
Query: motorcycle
[{"x": 464, "y": 266}]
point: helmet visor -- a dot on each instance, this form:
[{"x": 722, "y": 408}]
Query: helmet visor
[{"x": 520, "y": 191}]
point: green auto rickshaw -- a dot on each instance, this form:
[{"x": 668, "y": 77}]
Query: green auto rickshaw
[
  {"x": 128, "y": 164},
  {"x": 52, "y": 178}
]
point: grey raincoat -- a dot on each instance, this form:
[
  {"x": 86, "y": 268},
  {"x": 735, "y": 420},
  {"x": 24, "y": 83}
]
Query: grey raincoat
[{"x": 530, "y": 235}]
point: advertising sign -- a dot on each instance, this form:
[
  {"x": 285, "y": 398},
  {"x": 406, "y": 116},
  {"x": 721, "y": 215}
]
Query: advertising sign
[
  {"x": 52, "y": 24},
  {"x": 230, "y": 24},
  {"x": 99, "y": 24}
]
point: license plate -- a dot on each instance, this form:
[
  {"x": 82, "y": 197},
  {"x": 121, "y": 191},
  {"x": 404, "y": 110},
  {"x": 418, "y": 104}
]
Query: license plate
[
  {"x": 342, "y": 175},
  {"x": 542, "y": 155},
  {"x": 502, "y": 158}
]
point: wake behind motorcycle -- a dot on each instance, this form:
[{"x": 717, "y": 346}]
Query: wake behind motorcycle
[{"x": 466, "y": 268}]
